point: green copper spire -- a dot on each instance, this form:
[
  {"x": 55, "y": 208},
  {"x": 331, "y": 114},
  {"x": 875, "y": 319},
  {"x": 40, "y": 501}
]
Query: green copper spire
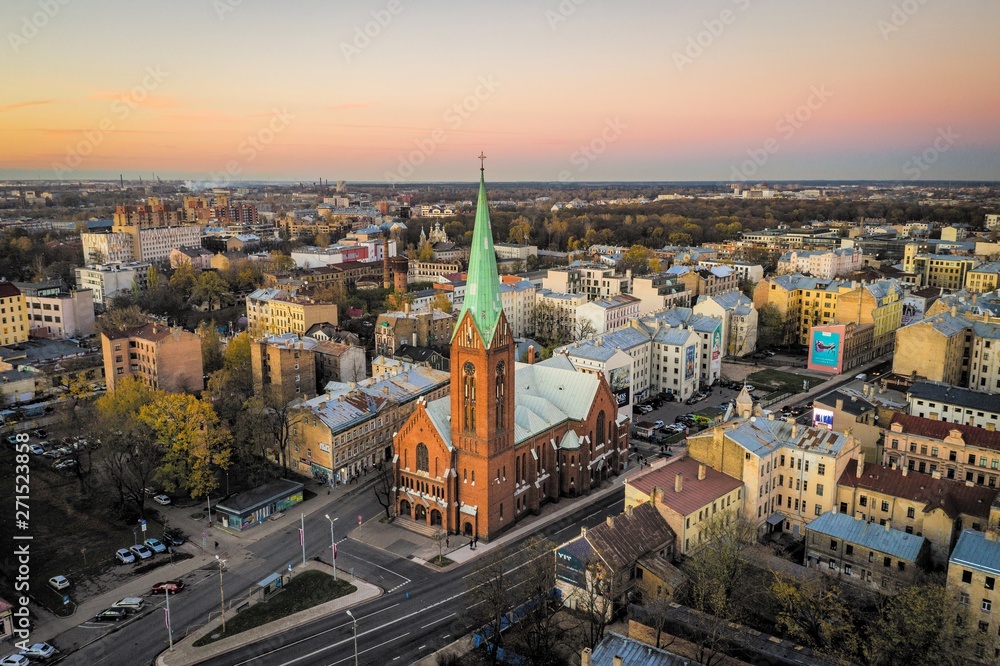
[{"x": 482, "y": 289}]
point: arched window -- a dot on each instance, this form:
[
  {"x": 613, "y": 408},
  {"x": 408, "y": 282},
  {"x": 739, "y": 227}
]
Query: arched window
[
  {"x": 422, "y": 458},
  {"x": 501, "y": 380},
  {"x": 600, "y": 428},
  {"x": 469, "y": 397}
]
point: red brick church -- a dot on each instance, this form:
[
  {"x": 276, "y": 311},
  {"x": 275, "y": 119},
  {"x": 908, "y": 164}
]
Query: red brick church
[{"x": 510, "y": 436}]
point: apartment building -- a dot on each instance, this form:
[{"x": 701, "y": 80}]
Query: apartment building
[
  {"x": 624, "y": 357},
  {"x": 605, "y": 314},
  {"x": 197, "y": 257},
  {"x": 952, "y": 450},
  {"x": 937, "y": 270},
  {"x": 983, "y": 278},
  {"x": 591, "y": 280},
  {"x": 555, "y": 314},
  {"x": 427, "y": 328},
  {"x": 163, "y": 358},
  {"x": 106, "y": 281},
  {"x": 275, "y": 312},
  {"x": 744, "y": 271},
  {"x": 107, "y": 247},
  {"x": 823, "y": 264},
  {"x": 14, "y": 325},
  {"x": 973, "y": 570},
  {"x": 518, "y": 299},
  {"x": 739, "y": 320},
  {"x": 54, "y": 312},
  {"x": 707, "y": 282},
  {"x": 284, "y": 365},
  {"x": 660, "y": 291},
  {"x": 935, "y": 400}
]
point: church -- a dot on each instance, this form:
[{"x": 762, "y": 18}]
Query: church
[{"x": 510, "y": 436}]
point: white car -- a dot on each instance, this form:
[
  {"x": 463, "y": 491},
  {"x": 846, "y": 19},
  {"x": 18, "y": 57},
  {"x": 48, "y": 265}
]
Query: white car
[
  {"x": 163, "y": 500},
  {"x": 141, "y": 551},
  {"x": 39, "y": 651},
  {"x": 125, "y": 556},
  {"x": 129, "y": 603},
  {"x": 15, "y": 660},
  {"x": 155, "y": 545},
  {"x": 59, "y": 582}
]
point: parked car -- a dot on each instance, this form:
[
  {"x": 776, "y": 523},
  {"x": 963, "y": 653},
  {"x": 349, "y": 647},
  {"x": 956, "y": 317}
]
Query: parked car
[
  {"x": 15, "y": 660},
  {"x": 658, "y": 424},
  {"x": 59, "y": 582},
  {"x": 64, "y": 464},
  {"x": 163, "y": 500},
  {"x": 39, "y": 433},
  {"x": 125, "y": 556},
  {"x": 12, "y": 439},
  {"x": 751, "y": 387},
  {"x": 174, "y": 537},
  {"x": 141, "y": 551},
  {"x": 155, "y": 545},
  {"x": 39, "y": 651},
  {"x": 171, "y": 586},
  {"x": 111, "y": 615},
  {"x": 129, "y": 603},
  {"x": 36, "y": 449}
]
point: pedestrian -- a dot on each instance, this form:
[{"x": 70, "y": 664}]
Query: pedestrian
[
  {"x": 472, "y": 545},
  {"x": 447, "y": 542},
  {"x": 217, "y": 545}
]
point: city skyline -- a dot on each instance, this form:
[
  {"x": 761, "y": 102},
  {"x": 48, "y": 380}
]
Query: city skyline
[{"x": 221, "y": 91}]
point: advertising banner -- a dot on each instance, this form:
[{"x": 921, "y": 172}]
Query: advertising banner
[
  {"x": 621, "y": 384},
  {"x": 717, "y": 343},
  {"x": 689, "y": 363},
  {"x": 822, "y": 418},
  {"x": 825, "y": 350}
]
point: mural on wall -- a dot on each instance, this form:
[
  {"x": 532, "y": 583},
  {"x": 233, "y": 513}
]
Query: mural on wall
[
  {"x": 717, "y": 343},
  {"x": 825, "y": 349},
  {"x": 689, "y": 363},
  {"x": 913, "y": 310},
  {"x": 621, "y": 384}
]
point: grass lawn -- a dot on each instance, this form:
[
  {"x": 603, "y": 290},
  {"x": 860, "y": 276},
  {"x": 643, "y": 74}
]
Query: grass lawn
[
  {"x": 779, "y": 380},
  {"x": 308, "y": 589}
]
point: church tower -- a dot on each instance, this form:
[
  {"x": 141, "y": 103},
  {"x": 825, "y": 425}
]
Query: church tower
[{"x": 482, "y": 387}]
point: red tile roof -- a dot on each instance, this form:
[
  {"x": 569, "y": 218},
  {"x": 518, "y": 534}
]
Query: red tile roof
[
  {"x": 934, "y": 429},
  {"x": 694, "y": 494},
  {"x": 954, "y": 497},
  {"x": 7, "y": 290}
]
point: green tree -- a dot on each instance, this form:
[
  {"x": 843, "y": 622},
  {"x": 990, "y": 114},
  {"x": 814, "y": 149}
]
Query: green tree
[
  {"x": 771, "y": 327},
  {"x": 921, "y": 624},
  {"x": 636, "y": 259},
  {"x": 183, "y": 280},
  {"x": 211, "y": 347},
  {"x": 210, "y": 288}
]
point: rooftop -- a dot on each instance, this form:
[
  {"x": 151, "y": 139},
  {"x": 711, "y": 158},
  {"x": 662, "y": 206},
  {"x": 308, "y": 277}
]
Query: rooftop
[
  {"x": 251, "y": 499},
  {"x": 954, "y": 395},
  {"x": 976, "y": 551},
  {"x": 632, "y": 653},
  {"x": 694, "y": 494},
  {"x": 873, "y": 536},
  {"x": 934, "y": 429}
]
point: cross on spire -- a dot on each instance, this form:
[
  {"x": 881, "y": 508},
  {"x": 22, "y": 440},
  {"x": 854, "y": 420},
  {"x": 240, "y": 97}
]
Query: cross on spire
[{"x": 482, "y": 161}]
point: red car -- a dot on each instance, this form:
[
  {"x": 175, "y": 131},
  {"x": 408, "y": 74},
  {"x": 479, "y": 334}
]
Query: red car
[{"x": 172, "y": 586}]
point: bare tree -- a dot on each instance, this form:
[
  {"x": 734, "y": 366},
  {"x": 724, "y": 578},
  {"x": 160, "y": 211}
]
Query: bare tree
[{"x": 385, "y": 487}]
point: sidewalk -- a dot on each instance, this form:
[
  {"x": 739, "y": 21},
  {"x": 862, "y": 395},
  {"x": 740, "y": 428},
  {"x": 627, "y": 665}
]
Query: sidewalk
[
  {"x": 185, "y": 654},
  {"x": 232, "y": 547}
]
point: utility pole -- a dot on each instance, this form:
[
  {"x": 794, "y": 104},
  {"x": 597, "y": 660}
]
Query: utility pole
[{"x": 222, "y": 594}]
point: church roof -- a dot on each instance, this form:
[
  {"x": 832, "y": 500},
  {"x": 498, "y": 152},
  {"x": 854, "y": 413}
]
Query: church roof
[{"x": 482, "y": 291}]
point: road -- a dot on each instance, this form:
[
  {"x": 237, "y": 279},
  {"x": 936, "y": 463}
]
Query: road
[{"x": 421, "y": 610}]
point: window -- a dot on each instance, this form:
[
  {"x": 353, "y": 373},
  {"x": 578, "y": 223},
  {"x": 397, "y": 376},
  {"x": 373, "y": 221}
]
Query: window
[
  {"x": 983, "y": 627},
  {"x": 987, "y": 605},
  {"x": 909, "y": 512},
  {"x": 819, "y": 489},
  {"x": 885, "y": 505},
  {"x": 990, "y": 582},
  {"x": 843, "y": 507},
  {"x": 833, "y": 564},
  {"x": 423, "y": 464},
  {"x": 469, "y": 397},
  {"x": 887, "y": 562},
  {"x": 501, "y": 380},
  {"x": 849, "y": 549},
  {"x": 862, "y": 501},
  {"x": 833, "y": 544},
  {"x": 966, "y": 576},
  {"x": 847, "y": 569},
  {"x": 821, "y": 469},
  {"x": 963, "y": 598}
]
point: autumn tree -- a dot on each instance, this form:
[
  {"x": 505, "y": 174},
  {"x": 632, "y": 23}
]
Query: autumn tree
[
  {"x": 211, "y": 347},
  {"x": 183, "y": 280},
  {"x": 210, "y": 288},
  {"x": 118, "y": 319},
  {"x": 397, "y": 301},
  {"x": 520, "y": 231},
  {"x": 637, "y": 259},
  {"x": 718, "y": 572},
  {"x": 194, "y": 446},
  {"x": 813, "y": 613},
  {"x": 441, "y": 302}
]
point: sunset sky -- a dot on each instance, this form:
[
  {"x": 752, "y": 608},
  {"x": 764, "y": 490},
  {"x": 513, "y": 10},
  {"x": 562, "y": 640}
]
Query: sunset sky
[{"x": 258, "y": 89}]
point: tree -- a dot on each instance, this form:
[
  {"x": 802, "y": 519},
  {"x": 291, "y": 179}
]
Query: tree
[
  {"x": 603, "y": 587},
  {"x": 210, "y": 288},
  {"x": 118, "y": 319},
  {"x": 397, "y": 301},
  {"x": 384, "y": 487},
  {"x": 537, "y": 636},
  {"x": 280, "y": 262},
  {"x": 195, "y": 447},
  {"x": 183, "y": 280},
  {"x": 441, "y": 302},
  {"x": 770, "y": 327},
  {"x": 636, "y": 259},
  {"x": 152, "y": 277},
  {"x": 584, "y": 329},
  {"x": 811, "y": 612},
  {"x": 425, "y": 252},
  {"x": 718, "y": 572},
  {"x": 211, "y": 347},
  {"x": 520, "y": 231}
]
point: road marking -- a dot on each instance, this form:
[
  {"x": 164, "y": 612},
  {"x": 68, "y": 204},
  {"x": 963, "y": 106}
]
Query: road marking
[
  {"x": 422, "y": 646},
  {"x": 438, "y": 620},
  {"x": 374, "y": 647}
]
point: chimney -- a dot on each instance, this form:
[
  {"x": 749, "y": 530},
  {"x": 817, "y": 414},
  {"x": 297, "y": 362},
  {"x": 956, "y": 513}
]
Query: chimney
[
  {"x": 906, "y": 469},
  {"x": 616, "y": 660},
  {"x": 678, "y": 482},
  {"x": 991, "y": 427},
  {"x": 701, "y": 471},
  {"x": 991, "y": 535},
  {"x": 936, "y": 474},
  {"x": 954, "y": 310},
  {"x": 654, "y": 494},
  {"x": 840, "y": 404},
  {"x": 861, "y": 464},
  {"x": 795, "y": 430},
  {"x": 531, "y": 354},
  {"x": 888, "y": 524},
  {"x": 611, "y": 521},
  {"x": 585, "y": 657}
]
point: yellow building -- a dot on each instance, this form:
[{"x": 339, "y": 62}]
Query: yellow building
[
  {"x": 933, "y": 508},
  {"x": 690, "y": 496},
  {"x": 276, "y": 312},
  {"x": 973, "y": 570},
  {"x": 937, "y": 270},
  {"x": 983, "y": 278},
  {"x": 13, "y": 315},
  {"x": 933, "y": 348},
  {"x": 879, "y": 303},
  {"x": 955, "y": 450}
]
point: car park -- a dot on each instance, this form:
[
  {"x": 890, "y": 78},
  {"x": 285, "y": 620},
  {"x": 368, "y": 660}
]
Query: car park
[
  {"x": 129, "y": 603},
  {"x": 59, "y": 582},
  {"x": 39, "y": 651},
  {"x": 141, "y": 551},
  {"x": 155, "y": 545},
  {"x": 125, "y": 556},
  {"x": 162, "y": 500},
  {"x": 111, "y": 615},
  {"x": 171, "y": 586}
]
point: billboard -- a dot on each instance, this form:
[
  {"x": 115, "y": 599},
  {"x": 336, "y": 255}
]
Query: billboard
[
  {"x": 717, "y": 343},
  {"x": 913, "y": 309},
  {"x": 822, "y": 418},
  {"x": 689, "y": 363},
  {"x": 621, "y": 384},
  {"x": 826, "y": 349}
]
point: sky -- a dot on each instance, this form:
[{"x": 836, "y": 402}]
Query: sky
[{"x": 551, "y": 90}]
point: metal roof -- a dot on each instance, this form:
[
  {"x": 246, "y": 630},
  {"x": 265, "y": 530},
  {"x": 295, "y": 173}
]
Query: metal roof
[
  {"x": 896, "y": 543},
  {"x": 974, "y": 550},
  {"x": 954, "y": 395},
  {"x": 482, "y": 295},
  {"x": 633, "y": 653},
  {"x": 762, "y": 436}
]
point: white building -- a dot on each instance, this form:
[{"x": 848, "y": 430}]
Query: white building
[
  {"x": 55, "y": 313},
  {"x": 555, "y": 313},
  {"x": 659, "y": 291},
  {"x": 104, "y": 248},
  {"x": 606, "y": 314},
  {"x": 107, "y": 280},
  {"x": 592, "y": 280},
  {"x": 954, "y": 404},
  {"x": 513, "y": 251},
  {"x": 739, "y": 320},
  {"x": 518, "y": 300},
  {"x": 752, "y": 272},
  {"x": 155, "y": 243},
  {"x": 993, "y": 220},
  {"x": 823, "y": 264}
]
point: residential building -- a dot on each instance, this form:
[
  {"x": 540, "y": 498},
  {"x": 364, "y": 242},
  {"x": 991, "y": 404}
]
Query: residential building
[
  {"x": 983, "y": 278},
  {"x": 746, "y": 272},
  {"x": 107, "y": 247},
  {"x": 848, "y": 410},
  {"x": 935, "y": 400},
  {"x": 501, "y": 421},
  {"x": 839, "y": 348},
  {"x": 954, "y": 450},
  {"x": 706, "y": 282},
  {"x": 348, "y": 428},
  {"x": 917, "y": 303},
  {"x": 519, "y": 300},
  {"x": 428, "y": 328},
  {"x": 275, "y": 312},
  {"x": 14, "y": 322},
  {"x": 155, "y": 243},
  {"x": 284, "y": 366},
  {"x": 423, "y": 356},
  {"x": 934, "y": 508},
  {"x": 789, "y": 471},
  {"x": 224, "y": 261},
  {"x": 660, "y": 291},
  {"x": 197, "y": 257},
  {"x": 163, "y": 358},
  {"x": 864, "y": 554},
  {"x": 739, "y": 320},
  {"x": 973, "y": 570},
  {"x": 54, "y": 312},
  {"x": 513, "y": 251},
  {"x": 622, "y": 357},
  {"x": 693, "y": 498},
  {"x": 934, "y": 348},
  {"x": 339, "y": 362},
  {"x": 879, "y": 303},
  {"x": 425, "y": 271},
  {"x": 937, "y": 270},
  {"x": 617, "y": 650},
  {"x": 823, "y": 264},
  {"x": 106, "y": 281},
  {"x": 606, "y": 314},
  {"x": 591, "y": 280},
  {"x": 992, "y": 221},
  {"x": 555, "y": 314},
  {"x": 626, "y": 557}
]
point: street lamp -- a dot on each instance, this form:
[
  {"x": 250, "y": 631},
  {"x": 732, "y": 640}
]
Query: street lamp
[
  {"x": 355, "y": 624},
  {"x": 222, "y": 595},
  {"x": 333, "y": 544}
]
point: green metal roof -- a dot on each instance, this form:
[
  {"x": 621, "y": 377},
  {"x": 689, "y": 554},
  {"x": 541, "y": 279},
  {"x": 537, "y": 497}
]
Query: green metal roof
[{"x": 482, "y": 289}]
